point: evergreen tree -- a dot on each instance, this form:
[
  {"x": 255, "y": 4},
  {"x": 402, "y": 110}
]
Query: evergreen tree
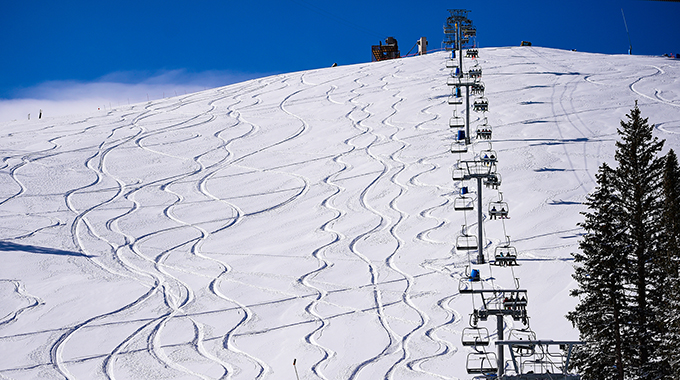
[
  {"x": 670, "y": 249},
  {"x": 637, "y": 184},
  {"x": 622, "y": 270},
  {"x": 598, "y": 316}
]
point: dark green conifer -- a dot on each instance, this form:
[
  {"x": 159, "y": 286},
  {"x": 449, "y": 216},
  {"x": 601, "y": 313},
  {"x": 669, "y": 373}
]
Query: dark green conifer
[
  {"x": 637, "y": 183},
  {"x": 622, "y": 269},
  {"x": 670, "y": 258},
  {"x": 598, "y": 271}
]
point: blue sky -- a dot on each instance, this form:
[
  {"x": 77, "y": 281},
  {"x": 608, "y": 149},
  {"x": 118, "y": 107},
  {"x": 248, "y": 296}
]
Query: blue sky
[{"x": 174, "y": 46}]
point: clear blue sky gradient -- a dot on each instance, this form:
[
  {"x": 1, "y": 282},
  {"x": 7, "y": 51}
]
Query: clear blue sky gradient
[{"x": 84, "y": 41}]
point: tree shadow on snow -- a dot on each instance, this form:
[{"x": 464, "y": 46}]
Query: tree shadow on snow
[{"x": 8, "y": 246}]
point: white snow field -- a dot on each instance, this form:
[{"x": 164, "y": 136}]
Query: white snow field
[{"x": 307, "y": 216}]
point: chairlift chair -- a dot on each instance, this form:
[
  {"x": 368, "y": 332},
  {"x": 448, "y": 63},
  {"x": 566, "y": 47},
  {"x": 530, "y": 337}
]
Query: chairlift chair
[
  {"x": 481, "y": 363},
  {"x": 475, "y": 72},
  {"x": 477, "y": 88},
  {"x": 458, "y": 174},
  {"x": 480, "y": 105},
  {"x": 484, "y": 132},
  {"x": 499, "y": 208},
  {"x": 505, "y": 256},
  {"x": 527, "y": 334},
  {"x": 475, "y": 336},
  {"x": 456, "y": 121},
  {"x": 493, "y": 180},
  {"x": 459, "y": 146},
  {"x": 488, "y": 156},
  {"x": 451, "y": 63},
  {"x": 472, "y": 53},
  {"x": 466, "y": 242},
  {"x": 453, "y": 81},
  {"x": 463, "y": 203},
  {"x": 455, "y": 98}
]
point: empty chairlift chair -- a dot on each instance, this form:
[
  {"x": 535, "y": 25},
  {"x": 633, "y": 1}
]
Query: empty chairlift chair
[
  {"x": 456, "y": 121},
  {"x": 463, "y": 202},
  {"x": 460, "y": 144},
  {"x": 527, "y": 334},
  {"x": 481, "y": 363},
  {"x": 475, "y": 336},
  {"x": 458, "y": 174},
  {"x": 451, "y": 63},
  {"x": 455, "y": 98},
  {"x": 466, "y": 242},
  {"x": 454, "y": 81}
]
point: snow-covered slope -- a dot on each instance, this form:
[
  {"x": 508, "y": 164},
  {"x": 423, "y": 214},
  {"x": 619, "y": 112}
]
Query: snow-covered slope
[{"x": 304, "y": 216}]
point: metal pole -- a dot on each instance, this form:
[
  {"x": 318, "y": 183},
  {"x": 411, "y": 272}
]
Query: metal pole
[
  {"x": 480, "y": 229},
  {"x": 501, "y": 359},
  {"x": 459, "y": 35},
  {"x": 467, "y": 115}
]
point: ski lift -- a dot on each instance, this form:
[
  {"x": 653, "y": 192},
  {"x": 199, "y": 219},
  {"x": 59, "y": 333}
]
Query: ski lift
[
  {"x": 458, "y": 174},
  {"x": 488, "y": 156},
  {"x": 466, "y": 242},
  {"x": 459, "y": 146},
  {"x": 480, "y": 105},
  {"x": 451, "y": 63},
  {"x": 484, "y": 131},
  {"x": 475, "y": 336},
  {"x": 505, "y": 256},
  {"x": 454, "y": 81},
  {"x": 515, "y": 302},
  {"x": 481, "y": 363},
  {"x": 472, "y": 53},
  {"x": 463, "y": 203},
  {"x": 499, "y": 209},
  {"x": 456, "y": 121},
  {"x": 477, "y": 88},
  {"x": 527, "y": 334},
  {"x": 475, "y": 72},
  {"x": 493, "y": 180},
  {"x": 455, "y": 97}
]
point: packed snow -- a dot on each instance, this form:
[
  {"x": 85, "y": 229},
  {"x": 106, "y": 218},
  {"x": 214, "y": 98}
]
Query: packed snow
[{"x": 305, "y": 216}]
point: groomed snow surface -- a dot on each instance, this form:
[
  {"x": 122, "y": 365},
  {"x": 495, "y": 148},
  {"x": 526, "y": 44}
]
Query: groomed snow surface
[{"x": 307, "y": 216}]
